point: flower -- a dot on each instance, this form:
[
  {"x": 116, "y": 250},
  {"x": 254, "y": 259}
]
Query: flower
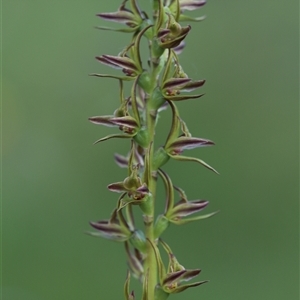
[
  {"x": 177, "y": 213},
  {"x": 116, "y": 228},
  {"x": 130, "y": 125},
  {"x": 128, "y": 60},
  {"x": 173, "y": 34},
  {"x": 171, "y": 279},
  {"x": 132, "y": 18},
  {"x": 177, "y": 143}
]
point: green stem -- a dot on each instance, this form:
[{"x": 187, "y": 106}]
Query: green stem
[{"x": 150, "y": 263}]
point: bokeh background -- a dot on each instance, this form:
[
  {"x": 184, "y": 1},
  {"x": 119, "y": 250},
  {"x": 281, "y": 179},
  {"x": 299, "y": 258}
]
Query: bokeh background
[{"x": 54, "y": 180}]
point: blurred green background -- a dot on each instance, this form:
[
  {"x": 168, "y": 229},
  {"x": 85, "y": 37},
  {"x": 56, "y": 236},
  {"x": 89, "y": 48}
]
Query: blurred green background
[{"x": 54, "y": 180}]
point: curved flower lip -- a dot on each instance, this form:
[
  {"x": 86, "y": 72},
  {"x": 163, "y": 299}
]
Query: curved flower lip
[
  {"x": 178, "y": 49},
  {"x": 171, "y": 42}
]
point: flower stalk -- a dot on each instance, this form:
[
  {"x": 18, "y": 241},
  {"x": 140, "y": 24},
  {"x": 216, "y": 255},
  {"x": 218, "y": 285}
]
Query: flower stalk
[{"x": 156, "y": 84}]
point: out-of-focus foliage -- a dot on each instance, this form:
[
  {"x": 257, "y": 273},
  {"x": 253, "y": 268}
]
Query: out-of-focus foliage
[{"x": 54, "y": 179}]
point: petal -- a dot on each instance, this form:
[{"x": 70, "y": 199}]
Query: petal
[
  {"x": 186, "y": 286},
  {"x": 186, "y": 143},
  {"x": 134, "y": 263},
  {"x": 118, "y": 16},
  {"x": 125, "y": 121},
  {"x": 117, "y": 187},
  {"x": 191, "y": 4},
  {"x": 121, "y": 160},
  {"x": 190, "y": 274},
  {"x": 173, "y": 277},
  {"x": 183, "y": 97},
  {"x": 183, "y": 209},
  {"x": 178, "y": 49},
  {"x": 118, "y": 61},
  {"x": 175, "y": 83},
  {"x": 109, "y": 231},
  {"x": 190, "y": 86},
  {"x": 102, "y": 120}
]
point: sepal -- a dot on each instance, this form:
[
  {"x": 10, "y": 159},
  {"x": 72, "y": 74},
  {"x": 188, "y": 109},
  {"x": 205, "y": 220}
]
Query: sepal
[
  {"x": 113, "y": 136},
  {"x": 128, "y": 295},
  {"x": 200, "y": 161},
  {"x": 135, "y": 262},
  {"x": 124, "y": 78},
  {"x": 146, "y": 286}
]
